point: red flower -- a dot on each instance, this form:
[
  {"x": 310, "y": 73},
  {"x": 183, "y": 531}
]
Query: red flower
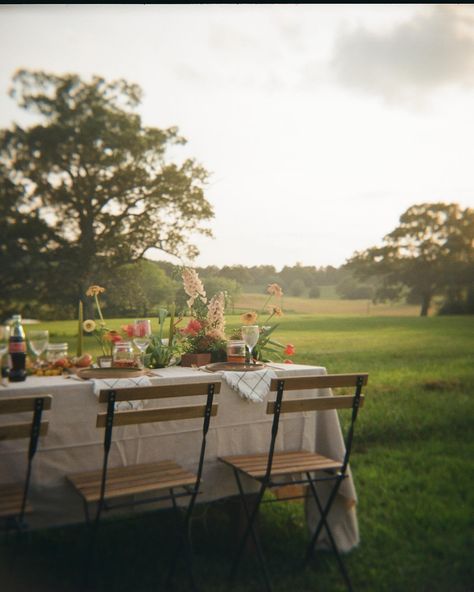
[
  {"x": 113, "y": 336},
  {"x": 128, "y": 329},
  {"x": 288, "y": 362},
  {"x": 289, "y": 349},
  {"x": 192, "y": 328}
]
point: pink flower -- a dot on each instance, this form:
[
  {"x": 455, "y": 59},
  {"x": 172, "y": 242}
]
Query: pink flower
[
  {"x": 288, "y": 362},
  {"x": 289, "y": 349},
  {"x": 192, "y": 328}
]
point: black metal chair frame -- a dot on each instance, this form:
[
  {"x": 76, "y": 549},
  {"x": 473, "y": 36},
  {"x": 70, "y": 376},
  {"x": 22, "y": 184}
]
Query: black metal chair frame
[
  {"x": 267, "y": 483},
  {"x": 18, "y": 521},
  {"x": 182, "y": 523}
]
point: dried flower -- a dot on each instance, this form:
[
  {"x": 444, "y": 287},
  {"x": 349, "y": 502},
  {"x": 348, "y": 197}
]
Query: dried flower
[
  {"x": 193, "y": 286},
  {"x": 94, "y": 290},
  {"x": 249, "y": 318},
  {"x": 89, "y": 325},
  {"x": 276, "y": 311},
  {"x": 215, "y": 315},
  {"x": 274, "y": 290}
]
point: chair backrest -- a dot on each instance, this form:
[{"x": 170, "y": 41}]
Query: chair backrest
[
  {"x": 316, "y": 403},
  {"x": 26, "y": 429},
  {"x": 135, "y": 416},
  {"x": 32, "y": 429}
]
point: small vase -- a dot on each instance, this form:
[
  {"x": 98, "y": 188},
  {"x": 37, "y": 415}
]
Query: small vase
[
  {"x": 189, "y": 360},
  {"x": 104, "y": 361}
]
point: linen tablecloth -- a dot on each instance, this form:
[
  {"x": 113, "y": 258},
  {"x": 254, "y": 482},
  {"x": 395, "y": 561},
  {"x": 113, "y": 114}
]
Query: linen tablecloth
[{"x": 74, "y": 444}]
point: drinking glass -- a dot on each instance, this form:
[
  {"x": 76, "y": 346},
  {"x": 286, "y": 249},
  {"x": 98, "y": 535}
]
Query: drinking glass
[
  {"x": 142, "y": 336},
  {"x": 250, "y": 334},
  {"x": 4, "y": 338},
  {"x": 38, "y": 341}
]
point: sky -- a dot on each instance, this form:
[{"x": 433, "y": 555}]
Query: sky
[{"x": 320, "y": 124}]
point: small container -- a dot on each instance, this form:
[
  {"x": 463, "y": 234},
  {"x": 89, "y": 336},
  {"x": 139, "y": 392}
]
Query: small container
[
  {"x": 123, "y": 355},
  {"x": 55, "y": 352},
  {"x": 236, "y": 351}
]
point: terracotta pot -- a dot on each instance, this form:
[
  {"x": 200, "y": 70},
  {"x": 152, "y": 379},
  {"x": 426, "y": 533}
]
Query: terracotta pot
[{"x": 195, "y": 359}]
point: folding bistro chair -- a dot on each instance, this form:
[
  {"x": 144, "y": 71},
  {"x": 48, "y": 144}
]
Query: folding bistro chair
[
  {"x": 270, "y": 469},
  {"x": 157, "y": 480},
  {"x": 14, "y": 497}
]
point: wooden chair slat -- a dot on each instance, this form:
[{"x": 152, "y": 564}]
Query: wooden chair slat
[
  {"x": 161, "y": 392},
  {"x": 20, "y": 430},
  {"x": 131, "y": 417},
  {"x": 319, "y": 382},
  {"x": 315, "y": 404},
  {"x": 123, "y": 481},
  {"x": 21, "y": 404},
  {"x": 283, "y": 463}
]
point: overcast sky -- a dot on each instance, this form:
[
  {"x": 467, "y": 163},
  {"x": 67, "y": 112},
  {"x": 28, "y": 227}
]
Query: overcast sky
[{"x": 320, "y": 124}]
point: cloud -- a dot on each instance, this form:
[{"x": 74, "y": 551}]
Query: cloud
[{"x": 432, "y": 50}]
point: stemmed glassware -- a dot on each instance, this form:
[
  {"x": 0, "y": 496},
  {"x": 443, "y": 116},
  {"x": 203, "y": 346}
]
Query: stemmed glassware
[
  {"x": 4, "y": 338},
  {"x": 38, "y": 341},
  {"x": 142, "y": 337},
  {"x": 250, "y": 334}
]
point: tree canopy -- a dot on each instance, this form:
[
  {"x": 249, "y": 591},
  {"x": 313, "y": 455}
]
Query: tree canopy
[
  {"x": 90, "y": 188},
  {"x": 430, "y": 253}
]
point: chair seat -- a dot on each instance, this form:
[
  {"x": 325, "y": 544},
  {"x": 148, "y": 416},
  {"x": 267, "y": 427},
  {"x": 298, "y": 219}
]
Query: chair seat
[
  {"x": 123, "y": 481},
  {"x": 284, "y": 463},
  {"x": 11, "y": 497}
]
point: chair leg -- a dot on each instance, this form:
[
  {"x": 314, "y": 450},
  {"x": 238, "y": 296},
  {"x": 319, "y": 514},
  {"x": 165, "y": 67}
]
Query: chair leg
[
  {"x": 250, "y": 531},
  {"x": 324, "y": 512},
  {"x": 182, "y": 525}
]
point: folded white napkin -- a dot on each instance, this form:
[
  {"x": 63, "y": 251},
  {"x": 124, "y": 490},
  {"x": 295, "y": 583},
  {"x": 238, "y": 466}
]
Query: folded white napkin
[
  {"x": 253, "y": 386},
  {"x": 101, "y": 384}
]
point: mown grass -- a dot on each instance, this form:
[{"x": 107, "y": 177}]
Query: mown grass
[{"x": 412, "y": 466}]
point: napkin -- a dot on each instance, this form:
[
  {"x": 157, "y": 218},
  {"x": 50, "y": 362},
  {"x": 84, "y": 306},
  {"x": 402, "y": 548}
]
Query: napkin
[
  {"x": 118, "y": 383},
  {"x": 253, "y": 385}
]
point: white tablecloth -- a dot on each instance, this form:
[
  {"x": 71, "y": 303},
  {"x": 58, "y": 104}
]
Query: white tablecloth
[{"x": 74, "y": 444}]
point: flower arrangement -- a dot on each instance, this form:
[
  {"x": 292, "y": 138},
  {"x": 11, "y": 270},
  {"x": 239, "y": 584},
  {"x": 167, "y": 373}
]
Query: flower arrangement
[
  {"x": 205, "y": 331},
  {"x": 266, "y": 345},
  {"x": 105, "y": 337},
  {"x": 161, "y": 352}
]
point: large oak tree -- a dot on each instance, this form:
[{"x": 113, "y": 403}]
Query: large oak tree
[
  {"x": 89, "y": 187},
  {"x": 430, "y": 253}
]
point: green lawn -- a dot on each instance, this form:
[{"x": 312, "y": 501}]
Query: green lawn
[{"x": 412, "y": 466}]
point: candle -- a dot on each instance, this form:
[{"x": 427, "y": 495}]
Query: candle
[{"x": 79, "y": 329}]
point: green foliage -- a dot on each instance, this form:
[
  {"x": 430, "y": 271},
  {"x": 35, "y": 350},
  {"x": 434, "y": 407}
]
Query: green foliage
[
  {"x": 139, "y": 289},
  {"x": 351, "y": 289},
  {"x": 297, "y": 287},
  {"x": 314, "y": 292},
  {"x": 431, "y": 253},
  {"x": 89, "y": 188}
]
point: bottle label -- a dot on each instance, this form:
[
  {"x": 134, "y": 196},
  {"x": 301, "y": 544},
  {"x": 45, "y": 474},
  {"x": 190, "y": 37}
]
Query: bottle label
[{"x": 17, "y": 347}]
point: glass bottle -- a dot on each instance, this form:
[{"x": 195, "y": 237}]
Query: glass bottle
[{"x": 17, "y": 351}]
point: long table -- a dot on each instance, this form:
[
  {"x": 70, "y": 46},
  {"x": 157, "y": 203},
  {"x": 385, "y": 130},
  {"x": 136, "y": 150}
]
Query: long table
[{"x": 74, "y": 444}]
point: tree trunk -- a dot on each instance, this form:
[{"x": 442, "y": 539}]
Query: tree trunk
[{"x": 425, "y": 305}]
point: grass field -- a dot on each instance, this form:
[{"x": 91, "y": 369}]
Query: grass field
[{"x": 412, "y": 466}]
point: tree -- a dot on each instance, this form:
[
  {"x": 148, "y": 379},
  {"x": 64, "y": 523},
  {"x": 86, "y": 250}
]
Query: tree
[
  {"x": 93, "y": 182},
  {"x": 140, "y": 289},
  {"x": 430, "y": 253}
]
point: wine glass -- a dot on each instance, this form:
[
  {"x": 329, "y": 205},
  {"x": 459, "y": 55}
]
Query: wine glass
[
  {"x": 38, "y": 341},
  {"x": 4, "y": 339},
  {"x": 142, "y": 336},
  {"x": 250, "y": 334}
]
